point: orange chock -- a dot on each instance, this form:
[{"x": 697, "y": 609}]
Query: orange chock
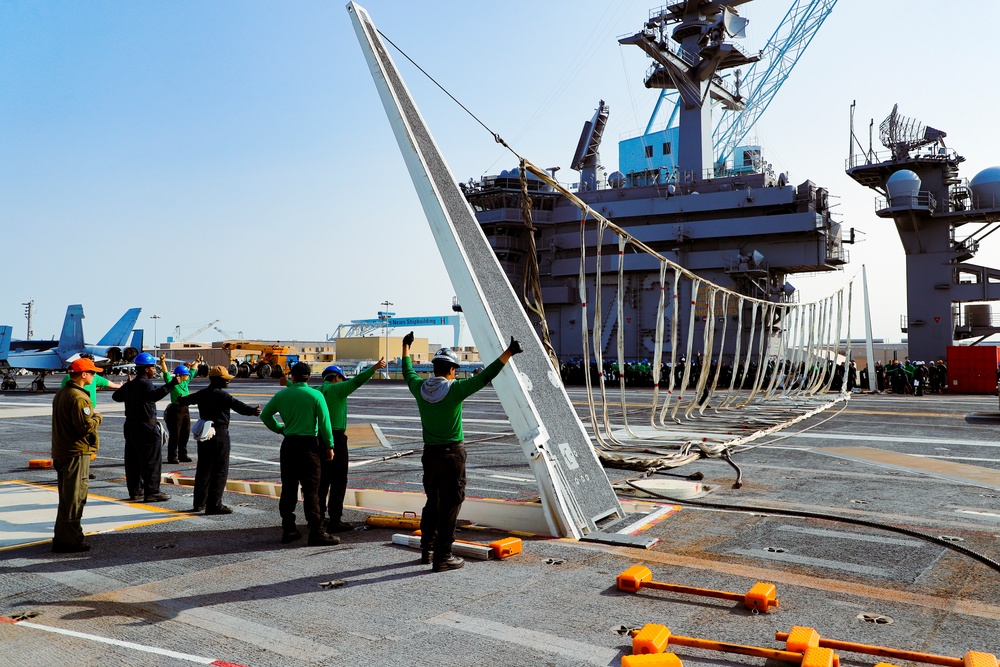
[
  {"x": 651, "y": 660},
  {"x": 801, "y": 638},
  {"x": 817, "y": 656},
  {"x": 652, "y": 638},
  {"x": 40, "y": 463},
  {"x": 631, "y": 580},
  {"x": 979, "y": 659},
  {"x": 761, "y": 597}
]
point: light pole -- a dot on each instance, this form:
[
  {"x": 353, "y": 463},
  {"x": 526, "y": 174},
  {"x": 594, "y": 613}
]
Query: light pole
[
  {"x": 154, "y": 318},
  {"x": 29, "y": 308},
  {"x": 385, "y": 315}
]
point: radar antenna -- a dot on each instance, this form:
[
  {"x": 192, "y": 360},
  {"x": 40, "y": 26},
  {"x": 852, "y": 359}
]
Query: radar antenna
[{"x": 901, "y": 134}]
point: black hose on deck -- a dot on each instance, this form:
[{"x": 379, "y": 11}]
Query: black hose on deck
[{"x": 975, "y": 555}]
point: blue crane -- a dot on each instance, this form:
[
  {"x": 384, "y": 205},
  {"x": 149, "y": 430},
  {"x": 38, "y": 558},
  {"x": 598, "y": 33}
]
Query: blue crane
[
  {"x": 765, "y": 77},
  {"x": 762, "y": 81}
]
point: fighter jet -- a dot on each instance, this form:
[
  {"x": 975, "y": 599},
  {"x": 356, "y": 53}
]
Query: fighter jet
[
  {"x": 5, "y": 334},
  {"x": 112, "y": 350}
]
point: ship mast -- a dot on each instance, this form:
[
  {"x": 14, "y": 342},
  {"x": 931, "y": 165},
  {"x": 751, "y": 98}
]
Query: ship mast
[{"x": 689, "y": 60}]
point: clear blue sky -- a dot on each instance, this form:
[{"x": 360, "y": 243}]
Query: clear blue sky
[{"x": 231, "y": 160}]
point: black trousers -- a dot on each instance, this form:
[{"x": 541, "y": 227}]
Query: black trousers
[
  {"x": 213, "y": 470},
  {"x": 178, "y": 419},
  {"x": 301, "y": 458},
  {"x": 142, "y": 459},
  {"x": 333, "y": 480},
  {"x": 444, "y": 484}
]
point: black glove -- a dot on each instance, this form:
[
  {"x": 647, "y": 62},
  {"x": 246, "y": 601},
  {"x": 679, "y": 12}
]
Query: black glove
[
  {"x": 514, "y": 347},
  {"x": 408, "y": 339}
]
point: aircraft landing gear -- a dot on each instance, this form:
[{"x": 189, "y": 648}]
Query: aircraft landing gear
[{"x": 38, "y": 384}]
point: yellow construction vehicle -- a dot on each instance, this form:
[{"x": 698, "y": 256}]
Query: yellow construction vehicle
[{"x": 261, "y": 359}]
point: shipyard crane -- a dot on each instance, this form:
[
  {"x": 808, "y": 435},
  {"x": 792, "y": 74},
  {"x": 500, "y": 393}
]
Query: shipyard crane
[
  {"x": 203, "y": 328},
  {"x": 228, "y": 334},
  {"x": 763, "y": 78}
]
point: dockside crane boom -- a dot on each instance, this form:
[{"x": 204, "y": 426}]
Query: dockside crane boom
[
  {"x": 755, "y": 90},
  {"x": 200, "y": 330},
  {"x": 765, "y": 77}
]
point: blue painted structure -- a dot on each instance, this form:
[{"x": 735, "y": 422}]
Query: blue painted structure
[{"x": 365, "y": 327}]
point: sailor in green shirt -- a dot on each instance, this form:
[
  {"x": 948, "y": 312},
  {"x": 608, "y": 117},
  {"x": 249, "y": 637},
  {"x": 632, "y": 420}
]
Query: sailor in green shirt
[
  {"x": 439, "y": 400},
  {"x": 333, "y": 480},
  {"x": 99, "y": 383},
  {"x": 308, "y": 442},
  {"x": 178, "y": 417}
]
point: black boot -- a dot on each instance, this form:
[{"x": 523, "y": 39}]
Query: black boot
[
  {"x": 450, "y": 563},
  {"x": 290, "y": 534},
  {"x": 318, "y": 538}
]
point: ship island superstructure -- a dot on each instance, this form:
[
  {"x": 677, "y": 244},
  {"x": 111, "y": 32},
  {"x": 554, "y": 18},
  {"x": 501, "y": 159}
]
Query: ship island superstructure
[
  {"x": 934, "y": 209},
  {"x": 725, "y": 215}
]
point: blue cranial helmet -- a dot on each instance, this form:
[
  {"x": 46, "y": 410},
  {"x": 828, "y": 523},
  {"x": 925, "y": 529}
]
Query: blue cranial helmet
[{"x": 145, "y": 359}]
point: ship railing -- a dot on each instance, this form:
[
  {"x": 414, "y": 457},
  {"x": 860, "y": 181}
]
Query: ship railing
[
  {"x": 510, "y": 214},
  {"x": 932, "y": 153},
  {"x": 965, "y": 246},
  {"x": 836, "y": 252},
  {"x": 923, "y": 200},
  {"x": 723, "y": 83},
  {"x": 743, "y": 266},
  {"x": 967, "y": 320},
  {"x": 987, "y": 202},
  {"x": 868, "y": 158}
]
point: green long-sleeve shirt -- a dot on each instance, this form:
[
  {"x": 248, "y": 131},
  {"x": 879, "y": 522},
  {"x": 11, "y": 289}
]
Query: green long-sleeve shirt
[
  {"x": 179, "y": 389},
  {"x": 336, "y": 394},
  {"x": 91, "y": 388},
  {"x": 303, "y": 411},
  {"x": 441, "y": 421}
]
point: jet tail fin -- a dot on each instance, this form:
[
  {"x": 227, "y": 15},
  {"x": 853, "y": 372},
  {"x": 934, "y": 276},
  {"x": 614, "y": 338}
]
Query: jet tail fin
[
  {"x": 118, "y": 334},
  {"x": 136, "y": 339},
  {"x": 71, "y": 338},
  {"x": 6, "y": 333}
]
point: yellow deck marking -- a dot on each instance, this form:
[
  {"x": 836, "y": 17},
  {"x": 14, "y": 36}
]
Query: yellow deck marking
[
  {"x": 936, "y": 467},
  {"x": 28, "y": 514}
]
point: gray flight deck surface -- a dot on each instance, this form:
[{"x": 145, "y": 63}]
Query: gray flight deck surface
[{"x": 223, "y": 588}]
